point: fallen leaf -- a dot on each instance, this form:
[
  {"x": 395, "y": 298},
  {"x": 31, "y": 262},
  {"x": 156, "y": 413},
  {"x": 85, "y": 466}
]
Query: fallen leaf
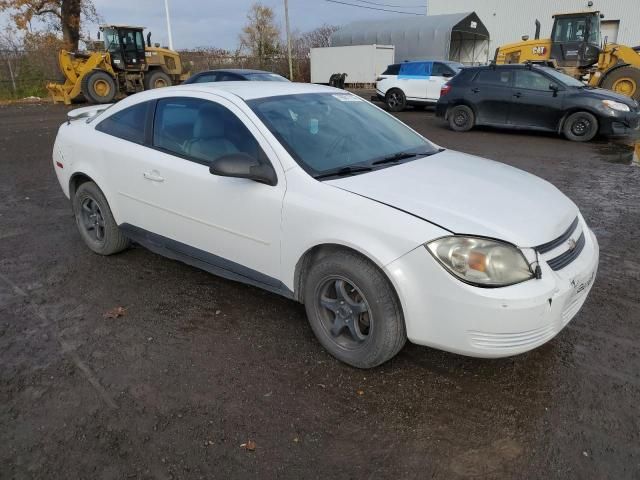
[
  {"x": 115, "y": 312},
  {"x": 250, "y": 445}
]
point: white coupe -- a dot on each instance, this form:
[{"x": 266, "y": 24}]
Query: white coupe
[{"x": 315, "y": 194}]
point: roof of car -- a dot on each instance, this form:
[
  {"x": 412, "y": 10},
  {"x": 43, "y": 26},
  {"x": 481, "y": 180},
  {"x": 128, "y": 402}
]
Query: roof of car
[
  {"x": 507, "y": 65},
  {"x": 237, "y": 70},
  {"x": 251, "y": 90},
  {"x": 427, "y": 60}
]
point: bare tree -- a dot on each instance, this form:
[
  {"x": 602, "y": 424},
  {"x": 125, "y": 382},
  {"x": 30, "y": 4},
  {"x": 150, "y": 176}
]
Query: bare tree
[
  {"x": 59, "y": 15},
  {"x": 320, "y": 37},
  {"x": 260, "y": 37}
]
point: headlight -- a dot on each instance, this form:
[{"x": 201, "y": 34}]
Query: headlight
[
  {"x": 481, "y": 261},
  {"x": 613, "y": 105}
]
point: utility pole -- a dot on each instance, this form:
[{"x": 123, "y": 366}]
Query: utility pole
[
  {"x": 166, "y": 8},
  {"x": 286, "y": 20}
]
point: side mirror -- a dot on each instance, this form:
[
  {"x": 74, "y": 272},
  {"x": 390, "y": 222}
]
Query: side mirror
[
  {"x": 554, "y": 88},
  {"x": 448, "y": 74},
  {"x": 241, "y": 165}
]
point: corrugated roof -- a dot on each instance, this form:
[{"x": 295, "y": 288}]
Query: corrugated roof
[{"x": 424, "y": 37}]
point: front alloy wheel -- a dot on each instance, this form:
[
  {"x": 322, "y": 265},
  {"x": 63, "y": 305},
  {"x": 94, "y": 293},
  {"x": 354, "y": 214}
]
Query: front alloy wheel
[
  {"x": 353, "y": 310},
  {"x": 344, "y": 311}
]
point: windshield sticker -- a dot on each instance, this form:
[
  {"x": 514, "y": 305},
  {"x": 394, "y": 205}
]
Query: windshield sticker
[{"x": 345, "y": 97}]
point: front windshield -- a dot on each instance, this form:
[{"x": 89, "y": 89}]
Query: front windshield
[
  {"x": 326, "y": 132},
  {"x": 563, "y": 78},
  {"x": 574, "y": 29},
  {"x": 265, "y": 77},
  {"x": 111, "y": 40}
]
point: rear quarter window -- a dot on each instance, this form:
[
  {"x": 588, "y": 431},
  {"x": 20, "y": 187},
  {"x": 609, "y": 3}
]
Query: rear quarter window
[
  {"x": 128, "y": 124},
  {"x": 392, "y": 69}
]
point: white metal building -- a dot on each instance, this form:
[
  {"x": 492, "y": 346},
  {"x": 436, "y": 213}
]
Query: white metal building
[{"x": 508, "y": 20}]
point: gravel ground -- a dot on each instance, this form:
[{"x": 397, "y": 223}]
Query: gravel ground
[{"x": 198, "y": 366}]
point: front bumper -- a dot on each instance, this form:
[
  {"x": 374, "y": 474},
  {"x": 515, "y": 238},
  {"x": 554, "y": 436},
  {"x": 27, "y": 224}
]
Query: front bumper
[
  {"x": 621, "y": 124},
  {"x": 441, "y": 311}
]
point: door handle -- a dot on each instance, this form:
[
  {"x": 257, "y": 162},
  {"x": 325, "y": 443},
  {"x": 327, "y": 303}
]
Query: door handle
[
  {"x": 154, "y": 176},
  {"x": 475, "y": 90},
  {"x": 517, "y": 94}
]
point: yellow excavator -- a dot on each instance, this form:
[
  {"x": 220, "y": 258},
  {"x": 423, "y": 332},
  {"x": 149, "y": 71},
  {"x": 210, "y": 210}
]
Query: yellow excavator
[
  {"x": 576, "y": 48},
  {"x": 118, "y": 65}
]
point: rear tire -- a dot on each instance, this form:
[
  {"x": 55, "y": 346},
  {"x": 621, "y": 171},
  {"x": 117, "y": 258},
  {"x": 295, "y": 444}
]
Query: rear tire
[
  {"x": 156, "y": 79},
  {"x": 461, "y": 118},
  {"x": 95, "y": 221},
  {"x": 353, "y": 310},
  {"x": 99, "y": 87},
  {"x": 396, "y": 100},
  {"x": 625, "y": 81},
  {"x": 580, "y": 127}
]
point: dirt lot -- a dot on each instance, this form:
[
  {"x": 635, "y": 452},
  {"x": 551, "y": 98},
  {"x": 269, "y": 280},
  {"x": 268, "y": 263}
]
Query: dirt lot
[{"x": 198, "y": 365}]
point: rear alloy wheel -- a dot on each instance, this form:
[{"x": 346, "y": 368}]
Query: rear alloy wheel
[
  {"x": 99, "y": 87},
  {"x": 156, "y": 79},
  {"x": 95, "y": 221},
  {"x": 625, "y": 81},
  {"x": 461, "y": 118},
  {"x": 353, "y": 310},
  {"x": 580, "y": 127},
  {"x": 396, "y": 100}
]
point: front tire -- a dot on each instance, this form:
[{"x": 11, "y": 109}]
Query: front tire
[
  {"x": 580, "y": 127},
  {"x": 353, "y": 310},
  {"x": 95, "y": 221},
  {"x": 99, "y": 87},
  {"x": 461, "y": 118},
  {"x": 396, "y": 100}
]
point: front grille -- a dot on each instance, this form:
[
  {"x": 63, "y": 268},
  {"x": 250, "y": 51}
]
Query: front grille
[
  {"x": 573, "y": 246},
  {"x": 569, "y": 256},
  {"x": 547, "y": 247}
]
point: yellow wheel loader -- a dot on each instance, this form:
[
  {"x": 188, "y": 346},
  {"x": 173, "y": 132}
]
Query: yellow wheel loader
[
  {"x": 576, "y": 48},
  {"x": 119, "y": 65}
]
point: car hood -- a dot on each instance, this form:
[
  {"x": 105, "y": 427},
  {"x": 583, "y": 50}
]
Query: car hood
[
  {"x": 470, "y": 195},
  {"x": 602, "y": 94}
]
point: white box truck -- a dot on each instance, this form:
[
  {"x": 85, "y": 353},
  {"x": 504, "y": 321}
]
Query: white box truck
[{"x": 361, "y": 63}]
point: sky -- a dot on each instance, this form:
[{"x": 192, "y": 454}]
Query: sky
[{"x": 217, "y": 23}]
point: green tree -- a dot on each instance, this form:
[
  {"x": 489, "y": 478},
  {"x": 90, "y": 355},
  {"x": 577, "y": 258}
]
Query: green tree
[{"x": 260, "y": 37}]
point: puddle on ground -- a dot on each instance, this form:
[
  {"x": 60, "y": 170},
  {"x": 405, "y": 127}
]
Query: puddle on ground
[{"x": 625, "y": 153}]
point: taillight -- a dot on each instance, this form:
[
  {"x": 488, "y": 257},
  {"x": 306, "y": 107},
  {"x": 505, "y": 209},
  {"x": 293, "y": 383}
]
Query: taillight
[{"x": 446, "y": 88}]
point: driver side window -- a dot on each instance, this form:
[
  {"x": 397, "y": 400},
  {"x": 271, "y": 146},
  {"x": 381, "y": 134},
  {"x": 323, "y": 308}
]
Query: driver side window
[{"x": 200, "y": 130}]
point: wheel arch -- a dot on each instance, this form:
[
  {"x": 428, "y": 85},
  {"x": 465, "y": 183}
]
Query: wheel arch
[
  {"x": 81, "y": 176},
  {"x": 155, "y": 68},
  {"x": 576, "y": 109},
  {"x": 395, "y": 87},
  {"x": 77, "y": 179},
  {"x": 457, "y": 103},
  {"x": 315, "y": 253}
]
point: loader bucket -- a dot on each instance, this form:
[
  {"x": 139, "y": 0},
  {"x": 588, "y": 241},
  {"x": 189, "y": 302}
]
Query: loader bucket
[{"x": 60, "y": 92}]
